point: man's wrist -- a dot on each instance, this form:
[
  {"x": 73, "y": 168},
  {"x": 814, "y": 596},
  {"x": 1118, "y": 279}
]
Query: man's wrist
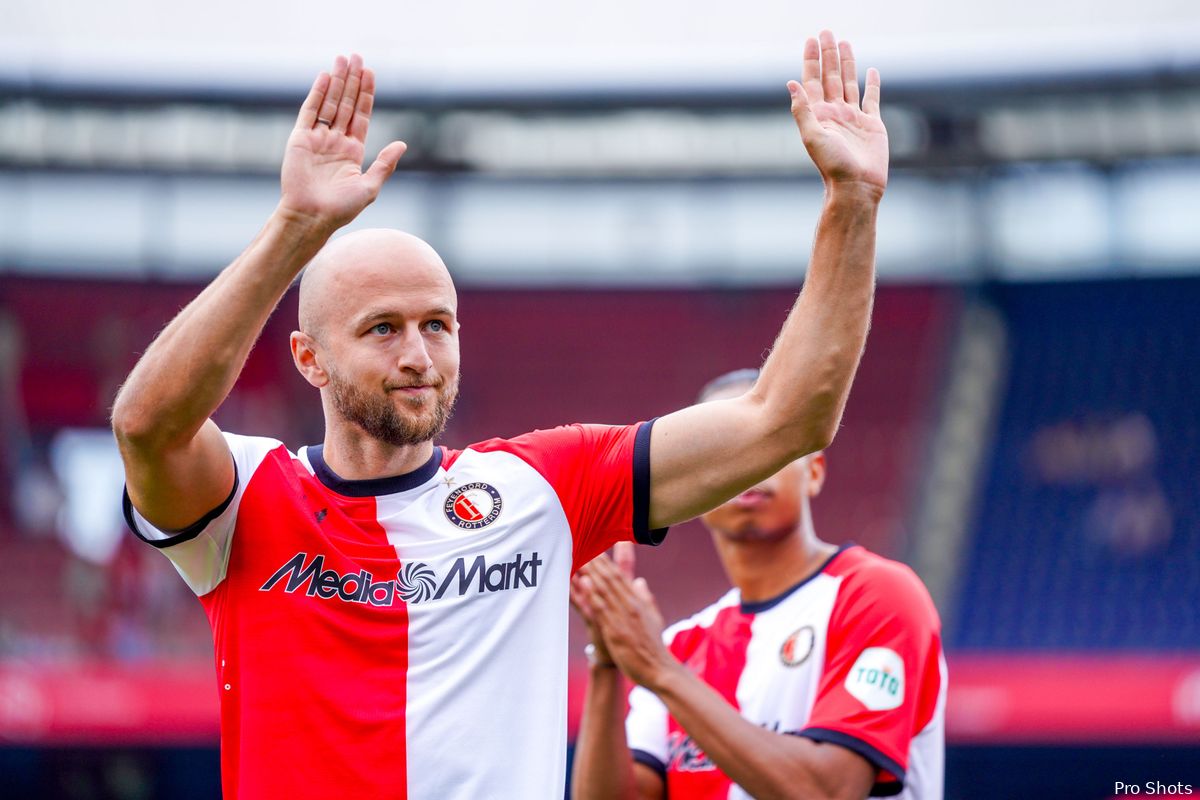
[
  {"x": 302, "y": 225},
  {"x": 665, "y": 676},
  {"x": 597, "y": 658},
  {"x": 858, "y": 193}
]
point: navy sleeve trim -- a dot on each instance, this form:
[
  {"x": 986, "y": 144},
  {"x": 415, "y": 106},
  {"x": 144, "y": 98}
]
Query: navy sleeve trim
[
  {"x": 641, "y": 489},
  {"x": 651, "y": 761},
  {"x": 869, "y": 752},
  {"x": 186, "y": 534}
]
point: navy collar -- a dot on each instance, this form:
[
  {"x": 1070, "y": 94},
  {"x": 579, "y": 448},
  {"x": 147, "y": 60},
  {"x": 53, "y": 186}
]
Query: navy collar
[
  {"x": 372, "y": 487},
  {"x": 759, "y": 606}
]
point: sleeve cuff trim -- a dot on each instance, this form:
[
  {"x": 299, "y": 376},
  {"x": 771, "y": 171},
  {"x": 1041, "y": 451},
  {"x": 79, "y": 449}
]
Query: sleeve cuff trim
[
  {"x": 641, "y": 489},
  {"x": 186, "y": 534},
  {"x": 651, "y": 761},
  {"x": 882, "y": 788}
]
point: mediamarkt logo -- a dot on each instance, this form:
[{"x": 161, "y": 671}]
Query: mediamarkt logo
[{"x": 416, "y": 582}]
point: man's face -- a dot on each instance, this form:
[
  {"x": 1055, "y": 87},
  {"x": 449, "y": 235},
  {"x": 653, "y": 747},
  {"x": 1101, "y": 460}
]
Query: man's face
[
  {"x": 411, "y": 412},
  {"x": 395, "y": 372},
  {"x": 381, "y": 340}
]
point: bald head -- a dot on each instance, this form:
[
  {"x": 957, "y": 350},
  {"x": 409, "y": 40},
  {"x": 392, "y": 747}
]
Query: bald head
[{"x": 353, "y": 270}]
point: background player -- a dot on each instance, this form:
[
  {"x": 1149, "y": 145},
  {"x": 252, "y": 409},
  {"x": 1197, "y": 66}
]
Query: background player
[
  {"x": 371, "y": 596},
  {"x": 820, "y": 674}
]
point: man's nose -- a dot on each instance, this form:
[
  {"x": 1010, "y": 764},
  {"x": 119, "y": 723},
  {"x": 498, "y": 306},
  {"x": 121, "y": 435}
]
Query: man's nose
[{"x": 414, "y": 355}]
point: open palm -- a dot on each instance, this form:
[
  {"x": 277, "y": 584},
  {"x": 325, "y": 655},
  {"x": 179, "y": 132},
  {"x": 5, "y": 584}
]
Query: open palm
[
  {"x": 322, "y": 176},
  {"x": 846, "y": 141}
]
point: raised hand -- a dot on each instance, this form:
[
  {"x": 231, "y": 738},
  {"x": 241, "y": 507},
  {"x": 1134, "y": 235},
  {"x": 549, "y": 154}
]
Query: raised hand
[
  {"x": 322, "y": 177},
  {"x": 848, "y": 143}
]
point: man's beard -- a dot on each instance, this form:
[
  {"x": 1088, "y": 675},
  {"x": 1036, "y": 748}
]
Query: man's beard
[{"x": 378, "y": 416}]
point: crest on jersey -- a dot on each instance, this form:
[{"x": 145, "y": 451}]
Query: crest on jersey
[
  {"x": 473, "y": 506},
  {"x": 798, "y": 647}
]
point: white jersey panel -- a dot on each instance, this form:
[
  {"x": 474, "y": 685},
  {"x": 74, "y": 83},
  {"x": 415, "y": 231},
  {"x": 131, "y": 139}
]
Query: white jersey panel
[
  {"x": 777, "y": 692},
  {"x": 926, "y": 776},
  {"x": 646, "y": 724},
  {"x": 485, "y": 605},
  {"x": 785, "y": 660}
]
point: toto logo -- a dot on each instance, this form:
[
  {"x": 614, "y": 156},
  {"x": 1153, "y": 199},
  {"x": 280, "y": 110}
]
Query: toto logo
[{"x": 473, "y": 506}]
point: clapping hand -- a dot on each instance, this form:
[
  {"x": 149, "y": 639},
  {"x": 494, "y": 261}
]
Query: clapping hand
[{"x": 623, "y": 616}]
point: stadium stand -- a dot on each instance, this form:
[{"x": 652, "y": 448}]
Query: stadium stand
[{"x": 1086, "y": 535}]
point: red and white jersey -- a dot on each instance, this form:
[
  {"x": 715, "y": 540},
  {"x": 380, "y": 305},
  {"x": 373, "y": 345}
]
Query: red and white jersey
[
  {"x": 404, "y": 637},
  {"x": 852, "y": 656}
]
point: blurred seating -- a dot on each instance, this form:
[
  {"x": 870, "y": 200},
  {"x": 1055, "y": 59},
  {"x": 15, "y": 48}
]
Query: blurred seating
[{"x": 1089, "y": 524}]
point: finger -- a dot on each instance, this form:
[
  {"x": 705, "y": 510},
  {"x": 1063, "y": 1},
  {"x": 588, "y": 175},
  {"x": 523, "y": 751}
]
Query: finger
[
  {"x": 312, "y": 104},
  {"x": 591, "y": 565},
  {"x": 810, "y": 73},
  {"x": 337, "y": 85},
  {"x": 849, "y": 73},
  {"x": 384, "y": 165},
  {"x": 349, "y": 100},
  {"x": 806, "y": 121},
  {"x": 599, "y": 608},
  {"x": 625, "y": 554},
  {"x": 612, "y": 583},
  {"x": 581, "y": 596},
  {"x": 642, "y": 590},
  {"x": 366, "y": 103},
  {"x": 871, "y": 94},
  {"x": 831, "y": 71}
]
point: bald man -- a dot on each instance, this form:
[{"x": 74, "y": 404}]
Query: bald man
[{"x": 390, "y": 616}]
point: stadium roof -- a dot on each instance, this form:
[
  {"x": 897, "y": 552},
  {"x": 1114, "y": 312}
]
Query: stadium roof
[{"x": 539, "y": 46}]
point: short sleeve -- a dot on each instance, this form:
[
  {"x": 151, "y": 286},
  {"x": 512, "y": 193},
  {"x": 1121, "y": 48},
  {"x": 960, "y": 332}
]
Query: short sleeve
[
  {"x": 200, "y": 552},
  {"x": 646, "y": 730},
  {"x": 601, "y": 474},
  {"x": 882, "y": 678}
]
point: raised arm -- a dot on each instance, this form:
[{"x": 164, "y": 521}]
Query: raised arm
[
  {"x": 177, "y": 465},
  {"x": 705, "y": 454}
]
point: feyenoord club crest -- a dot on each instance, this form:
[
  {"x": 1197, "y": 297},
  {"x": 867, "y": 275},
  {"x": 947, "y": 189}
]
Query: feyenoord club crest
[
  {"x": 473, "y": 506},
  {"x": 797, "y": 647}
]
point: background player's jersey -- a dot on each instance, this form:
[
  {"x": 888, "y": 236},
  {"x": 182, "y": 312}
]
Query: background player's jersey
[
  {"x": 852, "y": 656},
  {"x": 404, "y": 637}
]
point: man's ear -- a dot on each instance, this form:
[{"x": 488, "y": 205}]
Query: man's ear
[
  {"x": 816, "y": 473},
  {"x": 306, "y": 357}
]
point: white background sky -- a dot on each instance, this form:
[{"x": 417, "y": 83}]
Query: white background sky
[{"x": 433, "y": 46}]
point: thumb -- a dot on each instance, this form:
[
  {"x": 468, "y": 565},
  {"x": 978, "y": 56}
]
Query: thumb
[
  {"x": 625, "y": 554},
  {"x": 385, "y": 164},
  {"x": 802, "y": 112}
]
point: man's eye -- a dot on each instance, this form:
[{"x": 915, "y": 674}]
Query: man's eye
[
  {"x": 382, "y": 328},
  {"x": 436, "y": 325}
]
